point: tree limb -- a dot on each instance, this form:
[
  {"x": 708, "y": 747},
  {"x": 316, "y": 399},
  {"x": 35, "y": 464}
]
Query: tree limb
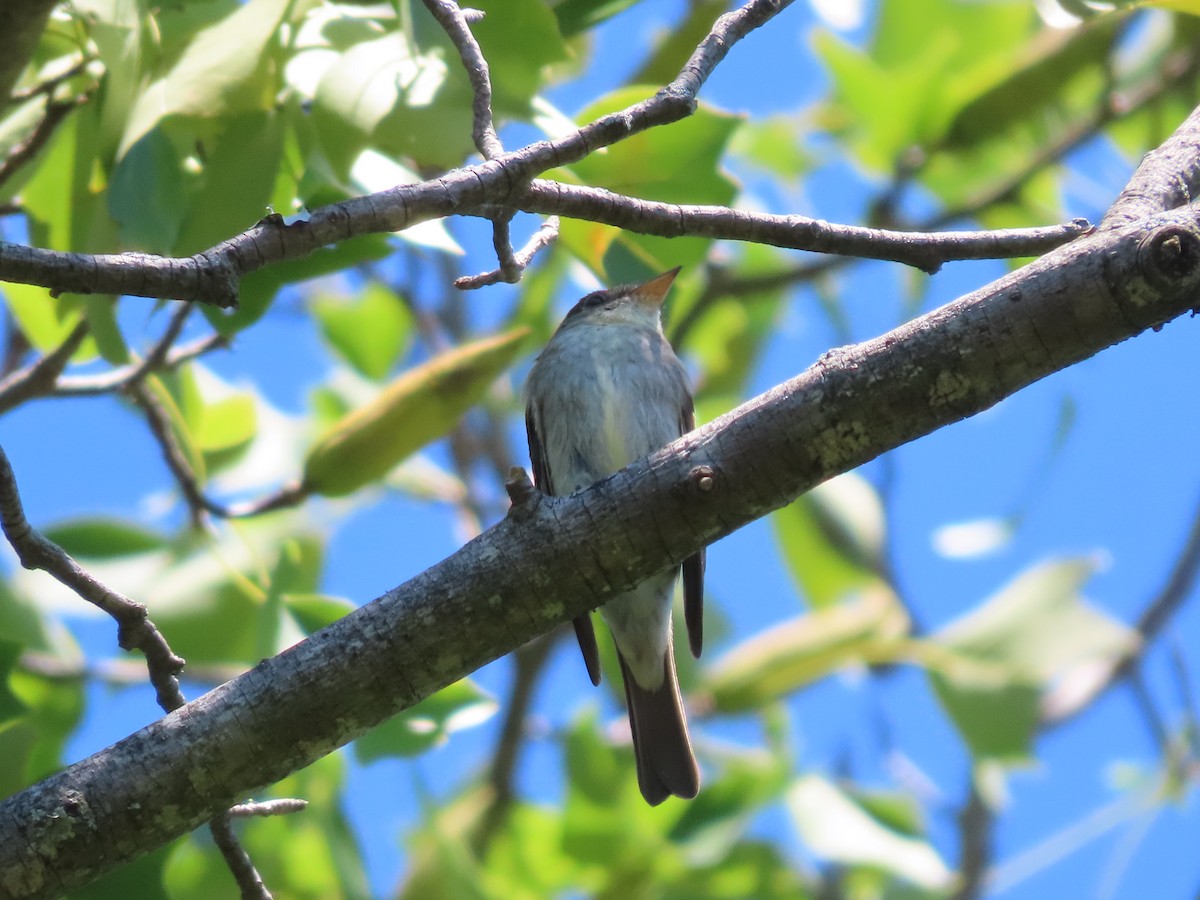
[{"x": 553, "y": 558}]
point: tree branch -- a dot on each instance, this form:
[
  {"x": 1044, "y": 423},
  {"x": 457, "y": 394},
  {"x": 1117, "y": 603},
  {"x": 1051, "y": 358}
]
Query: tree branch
[
  {"x": 212, "y": 276},
  {"x": 553, "y": 558}
]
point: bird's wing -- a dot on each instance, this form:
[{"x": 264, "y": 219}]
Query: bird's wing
[
  {"x": 585, "y": 633},
  {"x": 693, "y": 566}
]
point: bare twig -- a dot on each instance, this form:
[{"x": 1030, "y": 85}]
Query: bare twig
[
  {"x": 1073, "y": 695},
  {"x": 282, "y": 807},
  {"x": 237, "y": 859},
  {"x": 38, "y": 378},
  {"x": 56, "y": 113},
  {"x": 457, "y": 26},
  {"x": 528, "y": 664},
  {"x": 925, "y": 250},
  {"x": 291, "y": 494},
  {"x": 108, "y": 382},
  {"x": 976, "y": 829},
  {"x": 135, "y": 630},
  {"x": 511, "y": 264}
]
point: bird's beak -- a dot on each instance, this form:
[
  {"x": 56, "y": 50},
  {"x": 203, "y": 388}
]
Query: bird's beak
[{"x": 654, "y": 291}]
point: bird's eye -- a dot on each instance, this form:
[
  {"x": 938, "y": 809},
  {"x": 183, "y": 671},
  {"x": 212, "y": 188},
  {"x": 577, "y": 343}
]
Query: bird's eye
[{"x": 597, "y": 298}]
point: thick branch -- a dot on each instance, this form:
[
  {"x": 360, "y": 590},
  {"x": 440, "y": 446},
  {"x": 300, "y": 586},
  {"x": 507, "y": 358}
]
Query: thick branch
[
  {"x": 554, "y": 558},
  {"x": 1167, "y": 178}
]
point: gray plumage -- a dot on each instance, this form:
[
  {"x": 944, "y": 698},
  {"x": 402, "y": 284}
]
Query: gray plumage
[{"x": 607, "y": 391}]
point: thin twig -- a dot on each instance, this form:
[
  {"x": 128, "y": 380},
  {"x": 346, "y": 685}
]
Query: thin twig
[
  {"x": 457, "y": 26},
  {"x": 976, "y": 831},
  {"x": 282, "y": 807},
  {"x": 135, "y": 630},
  {"x": 927, "y": 251},
  {"x": 38, "y": 377},
  {"x": 512, "y": 265},
  {"x": 291, "y": 494},
  {"x": 1070, "y": 697},
  {"x": 108, "y": 382},
  {"x": 237, "y": 859},
  {"x": 56, "y": 113}
]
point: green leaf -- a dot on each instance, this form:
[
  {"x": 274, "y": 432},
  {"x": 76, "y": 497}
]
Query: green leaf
[
  {"x": 227, "y": 424},
  {"x": 460, "y": 706},
  {"x": 519, "y": 39},
  {"x": 386, "y": 94},
  {"x": 678, "y": 163},
  {"x": 225, "y": 69},
  {"x": 575, "y": 16},
  {"x": 147, "y": 193},
  {"x": 259, "y": 288},
  {"x": 313, "y": 612},
  {"x": 1002, "y": 655},
  {"x": 311, "y": 854},
  {"x": 104, "y": 538},
  {"x": 236, "y": 181},
  {"x": 838, "y": 830},
  {"x": 142, "y": 878},
  {"x": 833, "y": 538},
  {"x": 420, "y": 406},
  {"x": 32, "y": 745},
  {"x": 798, "y": 652},
  {"x": 370, "y": 333}
]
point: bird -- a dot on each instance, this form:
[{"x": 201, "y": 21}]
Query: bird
[{"x": 608, "y": 390}]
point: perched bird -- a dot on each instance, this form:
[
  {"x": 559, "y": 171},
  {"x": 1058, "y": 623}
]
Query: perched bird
[{"x": 606, "y": 391}]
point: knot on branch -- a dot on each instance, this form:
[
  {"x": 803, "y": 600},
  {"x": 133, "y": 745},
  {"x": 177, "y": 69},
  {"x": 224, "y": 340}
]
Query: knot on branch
[
  {"x": 1169, "y": 255},
  {"x": 524, "y": 496},
  {"x": 704, "y": 479}
]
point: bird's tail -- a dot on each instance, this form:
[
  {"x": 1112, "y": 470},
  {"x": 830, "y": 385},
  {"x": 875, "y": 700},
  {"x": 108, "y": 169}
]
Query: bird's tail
[{"x": 665, "y": 762}]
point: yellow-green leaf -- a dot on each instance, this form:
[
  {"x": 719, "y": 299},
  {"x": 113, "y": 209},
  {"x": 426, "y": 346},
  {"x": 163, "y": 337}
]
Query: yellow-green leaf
[{"x": 418, "y": 407}]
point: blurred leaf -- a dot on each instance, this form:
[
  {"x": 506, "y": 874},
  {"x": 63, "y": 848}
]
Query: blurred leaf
[
  {"x": 147, "y": 194},
  {"x": 33, "y": 743},
  {"x": 44, "y": 320},
  {"x": 227, "y": 424},
  {"x": 258, "y": 288},
  {"x": 370, "y": 332},
  {"x": 314, "y": 611},
  {"x": 833, "y": 538},
  {"x": 157, "y": 385},
  {"x": 443, "y": 867},
  {"x": 429, "y": 723},
  {"x": 679, "y": 42},
  {"x": 387, "y": 94},
  {"x": 309, "y": 855},
  {"x": 142, "y": 878},
  {"x": 1031, "y": 90},
  {"x": 676, "y": 164},
  {"x": 794, "y": 654},
  {"x": 773, "y": 143},
  {"x": 420, "y": 406},
  {"x": 750, "y": 869},
  {"x": 525, "y": 858},
  {"x": 235, "y": 184},
  {"x": 10, "y": 704},
  {"x": 1016, "y": 644},
  {"x": 575, "y": 16},
  {"x": 519, "y": 38},
  {"x": 104, "y": 538},
  {"x": 225, "y": 69},
  {"x": 838, "y": 830}
]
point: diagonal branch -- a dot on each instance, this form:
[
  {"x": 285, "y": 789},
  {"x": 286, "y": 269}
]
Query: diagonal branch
[{"x": 553, "y": 558}]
